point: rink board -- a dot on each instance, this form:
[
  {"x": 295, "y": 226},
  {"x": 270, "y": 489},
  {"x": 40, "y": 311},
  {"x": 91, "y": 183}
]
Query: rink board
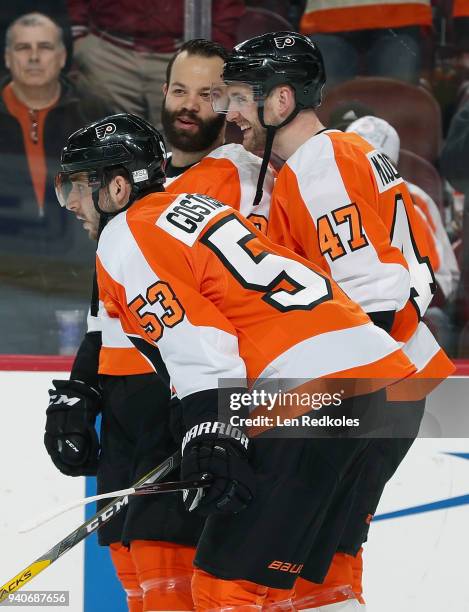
[{"x": 415, "y": 560}]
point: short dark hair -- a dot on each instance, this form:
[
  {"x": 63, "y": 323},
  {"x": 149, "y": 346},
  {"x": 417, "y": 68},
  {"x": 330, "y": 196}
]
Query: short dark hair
[
  {"x": 113, "y": 171},
  {"x": 198, "y": 46},
  {"x": 32, "y": 19}
]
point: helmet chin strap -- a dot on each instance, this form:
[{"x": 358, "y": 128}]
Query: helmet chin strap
[
  {"x": 103, "y": 219},
  {"x": 95, "y": 196},
  {"x": 108, "y": 215},
  {"x": 269, "y": 141}
]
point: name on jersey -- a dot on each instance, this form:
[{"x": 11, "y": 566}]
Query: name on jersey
[
  {"x": 188, "y": 215},
  {"x": 385, "y": 173}
]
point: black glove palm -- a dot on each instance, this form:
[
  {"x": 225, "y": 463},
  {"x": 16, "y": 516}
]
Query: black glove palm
[{"x": 70, "y": 437}]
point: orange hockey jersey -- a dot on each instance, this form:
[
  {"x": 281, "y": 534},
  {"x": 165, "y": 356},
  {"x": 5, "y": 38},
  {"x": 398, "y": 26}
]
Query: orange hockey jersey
[
  {"x": 341, "y": 204},
  {"x": 218, "y": 300},
  {"x": 351, "y": 15},
  {"x": 229, "y": 173},
  {"x": 461, "y": 8}
]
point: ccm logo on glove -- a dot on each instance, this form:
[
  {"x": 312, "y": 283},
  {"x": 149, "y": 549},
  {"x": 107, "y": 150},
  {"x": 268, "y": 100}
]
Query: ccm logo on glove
[
  {"x": 63, "y": 399},
  {"x": 70, "y": 437}
]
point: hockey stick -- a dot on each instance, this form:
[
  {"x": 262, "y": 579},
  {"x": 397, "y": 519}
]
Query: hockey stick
[
  {"x": 145, "y": 489},
  {"x": 84, "y": 530}
]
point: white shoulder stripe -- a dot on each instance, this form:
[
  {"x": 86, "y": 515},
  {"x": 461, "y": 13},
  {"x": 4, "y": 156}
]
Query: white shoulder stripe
[
  {"x": 339, "y": 350},
  {"x": 421, "y": 347}
]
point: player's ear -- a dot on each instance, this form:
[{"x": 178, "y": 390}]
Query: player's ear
[
  {"x": 285, "y": 100},
  {"x": 120, "y": 191},
  {"x": 281, "y": 103},
  {"x": 165, "y": 89}
]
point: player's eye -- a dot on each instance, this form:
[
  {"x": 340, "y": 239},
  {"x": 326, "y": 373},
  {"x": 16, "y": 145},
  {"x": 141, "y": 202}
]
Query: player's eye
[{"x": 239, "y": 99}]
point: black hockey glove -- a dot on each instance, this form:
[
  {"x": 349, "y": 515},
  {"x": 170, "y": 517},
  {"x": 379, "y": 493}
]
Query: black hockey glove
[
  {"x": 221, "y": 451},
  {"x": 71, "y": 438}
]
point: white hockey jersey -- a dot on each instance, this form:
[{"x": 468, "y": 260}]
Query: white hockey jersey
[{"x": 342, "y": 204}]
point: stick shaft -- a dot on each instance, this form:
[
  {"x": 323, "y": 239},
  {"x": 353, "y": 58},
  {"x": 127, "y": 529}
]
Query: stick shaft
[
  {"x": 84, "y": 530},
  {"x": 172, "y": 487},
  {"x": 145, "y": 489}
]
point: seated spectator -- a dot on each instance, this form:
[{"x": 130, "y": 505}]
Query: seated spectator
[
  {"x": 121, "y": 48},
  {"x": 41, "y": 251},
  {"x": 385, "y": 138},
  {"x": 55, "y": 9},
  {"x": 368, "y": 38}
]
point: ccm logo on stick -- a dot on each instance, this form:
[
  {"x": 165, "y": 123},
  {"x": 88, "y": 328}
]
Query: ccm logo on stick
[{"x": 106, "y": 515}]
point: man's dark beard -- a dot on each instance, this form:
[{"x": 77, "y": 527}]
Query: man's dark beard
[{"x": 209, "y": 130}]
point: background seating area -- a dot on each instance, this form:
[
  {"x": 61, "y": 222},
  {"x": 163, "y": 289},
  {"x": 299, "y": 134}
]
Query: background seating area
[{"x": 423, "y": 110}]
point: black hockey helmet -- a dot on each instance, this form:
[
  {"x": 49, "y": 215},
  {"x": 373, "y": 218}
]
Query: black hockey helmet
[
  {"x": 262, "y": 63},
  {"x": 121, "y": 140},
  {"x": 279, "y": 58}
]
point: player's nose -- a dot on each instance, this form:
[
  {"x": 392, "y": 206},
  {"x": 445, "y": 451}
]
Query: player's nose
[{"x": 233, "y": 116}]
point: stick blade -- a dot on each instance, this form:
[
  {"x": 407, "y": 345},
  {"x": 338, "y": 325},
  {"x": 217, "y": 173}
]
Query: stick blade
[{"x": 50, "y": 515}]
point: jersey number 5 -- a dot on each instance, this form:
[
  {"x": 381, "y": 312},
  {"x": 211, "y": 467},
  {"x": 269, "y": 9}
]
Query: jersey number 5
[{"x": 263, "y": 271}]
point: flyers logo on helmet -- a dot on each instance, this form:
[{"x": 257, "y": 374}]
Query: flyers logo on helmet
[
  {"x": 284, "y": 41},
  {"x": 105, "y": 130}
]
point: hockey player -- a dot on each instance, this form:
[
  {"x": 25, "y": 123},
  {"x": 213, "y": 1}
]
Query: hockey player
[
  {"x": 342, "y": 205},
  {"x": 200, "y": 162},
  {"x": 205, "y": 296},
  {"x": 155, "y": 571}
]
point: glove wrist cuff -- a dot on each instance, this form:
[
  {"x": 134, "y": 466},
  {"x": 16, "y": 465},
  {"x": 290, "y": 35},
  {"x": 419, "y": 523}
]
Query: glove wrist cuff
[
  {"x": 209, "y": 430},
  {"x": 84, "y": 386}
]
